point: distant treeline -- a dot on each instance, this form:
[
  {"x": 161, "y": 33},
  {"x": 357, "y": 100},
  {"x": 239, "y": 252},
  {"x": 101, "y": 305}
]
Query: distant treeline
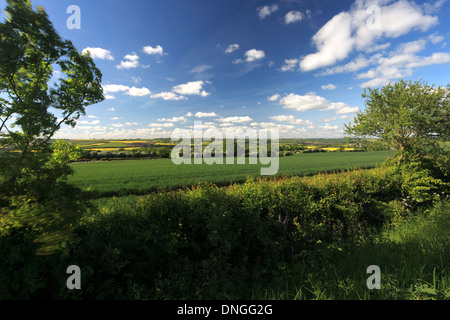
[{"x": 285, "y": 148}]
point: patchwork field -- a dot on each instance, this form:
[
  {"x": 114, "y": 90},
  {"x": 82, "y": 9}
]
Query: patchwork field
[{"x": 109, "y": 178}]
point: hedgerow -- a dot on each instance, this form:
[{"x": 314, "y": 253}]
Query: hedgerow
[{"x": 212, "y": 242}]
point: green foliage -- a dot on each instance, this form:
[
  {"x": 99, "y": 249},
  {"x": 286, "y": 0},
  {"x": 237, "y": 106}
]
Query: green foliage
[
  {"x": 215, "y": 245},
  {"x": 51, "y": 220},
  {"x": 163, "y": 152},
  {"x": 30, "y": 51},
  {"x": 421, "y": 186},
  {"x": 33, "y": 196},
  {"x": 48, "y": 213},
  {"x": 207, "y": 242},
  {"x": 411, "y": 117}
]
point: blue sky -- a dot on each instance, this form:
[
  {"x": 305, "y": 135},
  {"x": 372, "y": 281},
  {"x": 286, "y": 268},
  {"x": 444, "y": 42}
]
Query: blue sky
[{"x": 299, "y": 66}]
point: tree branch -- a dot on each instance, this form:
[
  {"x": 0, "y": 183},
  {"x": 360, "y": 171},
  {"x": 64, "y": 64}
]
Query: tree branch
[
  {"x": 13, "y": 85},
  {"x": 3, "y": 122},
  {"x": 63, "y": 120}
]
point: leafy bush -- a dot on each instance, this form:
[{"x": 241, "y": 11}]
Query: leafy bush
[
  {"x": 214, "y": 243},
  {"x": 420, "y": 185},
  {"x": 188, "y": 243},
  {"x": 172, "y": 240}
]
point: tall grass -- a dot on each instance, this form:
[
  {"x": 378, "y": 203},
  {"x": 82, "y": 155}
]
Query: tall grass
[{"x": 414, "y": 258}]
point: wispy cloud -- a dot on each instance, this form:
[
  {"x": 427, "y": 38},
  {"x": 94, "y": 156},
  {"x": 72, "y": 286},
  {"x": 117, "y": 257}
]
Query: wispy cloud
[
  {"x": 274, "y": 97},
  {"x": 181, "y": 119},
  {"x": 292, "y": 120},
  {"x": 232, "y": 48},
  {"x": 311, "y": 101},
  {"x": 400, "y": 63},
  {"x": 266, "y": 11},
  {"x": 289, "y": 65},
  {"x": 329, "y": 87},
  {"x": 167, "y": 96},
  {"x": 161, "y": 125}
]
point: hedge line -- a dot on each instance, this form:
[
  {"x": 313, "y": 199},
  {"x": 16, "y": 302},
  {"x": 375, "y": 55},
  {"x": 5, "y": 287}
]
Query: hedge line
[{"x": 210, "y": 242}]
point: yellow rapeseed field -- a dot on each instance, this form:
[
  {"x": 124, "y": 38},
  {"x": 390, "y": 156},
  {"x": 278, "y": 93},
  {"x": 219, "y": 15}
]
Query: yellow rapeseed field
[
  {"x": 137, "y": 141},
  {"x": 112, "y": 149},
  {"x": 330, "y": 149}
]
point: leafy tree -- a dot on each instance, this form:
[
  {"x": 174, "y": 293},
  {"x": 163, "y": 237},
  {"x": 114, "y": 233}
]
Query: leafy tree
[
  {"x": 163, "y": 152},
  {"x": 412, "y": 117},
  {"x": 30, "y": 95}
]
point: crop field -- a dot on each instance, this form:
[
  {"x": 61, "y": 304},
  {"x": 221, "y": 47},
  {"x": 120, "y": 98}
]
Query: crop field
[
  {"x": 213, "y": 176},
  {"x": 107, "y": 178},
  {"x": 127, "y": 145}
]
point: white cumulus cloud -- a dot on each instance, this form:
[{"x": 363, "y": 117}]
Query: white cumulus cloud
[
  {"x": 112, "y": 88},
  {"x": 205, "y": 114},
  {"x": 98, "y": 53},
  {"x": 89, "y": 122},
  {"x": 191, "y": 88},
  {"x": 293, "y": 16},
  {"x": 236, "y": 119},
  {"x": 354, "y": 30},
  {"x": 158, "y": 50},
  {"x": 132, "y": 57},
  {"x": 131, "y": 61},
  {"x": 311, "y": 101},
  {"x": 253, "y": 55},
  {"x": 127, "y": 65},
  {"x": 138, "y": 92},
  {"x": 334, "y": 42}
]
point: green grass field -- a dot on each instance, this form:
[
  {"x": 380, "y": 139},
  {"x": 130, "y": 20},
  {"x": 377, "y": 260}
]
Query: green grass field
[{"x": 140, "y": 176}]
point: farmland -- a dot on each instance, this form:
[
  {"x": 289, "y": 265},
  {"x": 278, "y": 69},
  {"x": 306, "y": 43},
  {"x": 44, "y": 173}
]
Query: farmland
[
  {"x": 218, "y": 175},
  {"x": 108, "y": 178},
  {"x": 119, "y": 149},
  {"x": 232, "y": 238}
]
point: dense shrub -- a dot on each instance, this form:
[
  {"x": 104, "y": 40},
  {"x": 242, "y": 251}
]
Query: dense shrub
[
  {"x": 211, "y": 242},
  {"x": 172, "y": 241}
]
